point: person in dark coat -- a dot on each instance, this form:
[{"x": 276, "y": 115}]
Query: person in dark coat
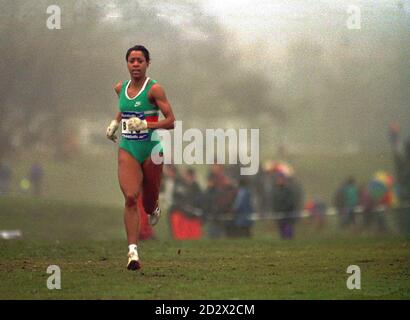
[
  {"x": 242, "y": 211},
  {"x": 285, "y": 205}
]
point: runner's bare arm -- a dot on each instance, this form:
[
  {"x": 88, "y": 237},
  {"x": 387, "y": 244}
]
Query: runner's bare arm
[
  {"x": 117, "y": 89},
  {"x": 158, "y": 97}
]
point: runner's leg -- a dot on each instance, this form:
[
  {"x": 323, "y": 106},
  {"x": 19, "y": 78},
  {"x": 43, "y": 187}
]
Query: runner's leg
[
  {"x": 130, "y": 179},
  {"x": 151, "y": 184}
]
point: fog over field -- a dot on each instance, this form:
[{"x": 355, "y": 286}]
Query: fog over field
[{"x": 291, "y": 68}]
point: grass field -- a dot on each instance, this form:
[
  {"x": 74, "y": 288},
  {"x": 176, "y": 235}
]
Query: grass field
[
  {"x": 88, "y": 244},
  {"x": 78, "y": 226}
]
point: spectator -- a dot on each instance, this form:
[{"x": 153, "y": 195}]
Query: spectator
[
  {"x": 187, "y": 194},
  {"x": 185, "y": 213},
  {"x": 317, "y": 211},
  {"x": 285, "y": 205},
  {"x": 210, "y": 210},
  {"x": 36, "y": 178},
  {"x": 373, "y": 208},
  {"x": 267, "y": 182},
  {"x": 346, "y": 200},
  {"x": 242, "y": 209},
  {"x": 257, "y": 190},
  {"x": 298, "y": 191},
  {"x": 401, "y": 155},
  {"x": 5, "y": 178},
  {"x": 223, "y": 193}
]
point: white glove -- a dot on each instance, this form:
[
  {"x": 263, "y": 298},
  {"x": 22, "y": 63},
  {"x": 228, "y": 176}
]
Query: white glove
[
  {"x": 136, "y": 124},
  {"x": 111, "y": 130}
]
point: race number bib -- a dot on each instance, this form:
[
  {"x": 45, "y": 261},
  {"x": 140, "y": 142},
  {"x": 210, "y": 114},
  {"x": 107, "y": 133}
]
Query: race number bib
[{"x": 141, "y": 135}]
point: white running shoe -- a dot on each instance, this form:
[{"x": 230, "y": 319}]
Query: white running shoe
[
  {"x": 154, "y": 217},
  {"x": 133, "y": 260}
]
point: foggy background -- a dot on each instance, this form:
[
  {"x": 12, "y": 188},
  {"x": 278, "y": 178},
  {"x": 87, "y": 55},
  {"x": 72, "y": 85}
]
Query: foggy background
[
  {"x": 322, "y": 95},
  {"x": 290, "y": 68}
]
